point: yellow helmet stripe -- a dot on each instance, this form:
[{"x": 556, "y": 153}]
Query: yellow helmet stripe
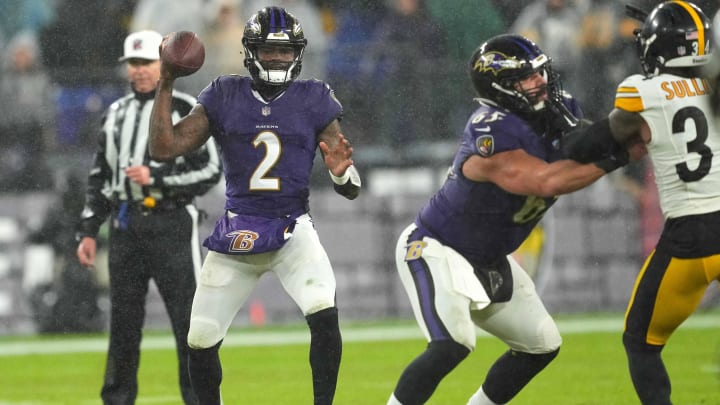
[{"x": 698, "y": 23}]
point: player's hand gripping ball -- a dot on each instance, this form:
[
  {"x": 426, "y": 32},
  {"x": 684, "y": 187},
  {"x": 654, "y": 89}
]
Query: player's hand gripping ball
[{"x": 183, "y": 52}]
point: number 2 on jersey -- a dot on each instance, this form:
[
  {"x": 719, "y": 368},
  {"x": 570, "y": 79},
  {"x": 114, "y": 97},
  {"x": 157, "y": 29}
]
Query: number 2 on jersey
[{"x": 259, "y": 180}]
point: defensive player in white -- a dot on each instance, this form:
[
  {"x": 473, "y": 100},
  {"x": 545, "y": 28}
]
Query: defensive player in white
[{"x": 668, "y": 108}]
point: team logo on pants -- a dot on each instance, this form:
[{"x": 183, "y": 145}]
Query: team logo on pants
[{"x": 242, "y": 241}]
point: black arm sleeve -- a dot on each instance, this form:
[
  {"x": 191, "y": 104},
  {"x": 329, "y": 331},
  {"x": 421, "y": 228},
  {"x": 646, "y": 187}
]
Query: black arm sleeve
[
  {"x": 347, "y": 190},
  {"x": 589, "y": 143},
  {"x": 595, "y": 143}
]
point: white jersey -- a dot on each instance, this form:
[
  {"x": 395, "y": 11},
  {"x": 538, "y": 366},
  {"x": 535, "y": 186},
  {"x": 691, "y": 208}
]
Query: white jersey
[{"x": 685, "y": 142}]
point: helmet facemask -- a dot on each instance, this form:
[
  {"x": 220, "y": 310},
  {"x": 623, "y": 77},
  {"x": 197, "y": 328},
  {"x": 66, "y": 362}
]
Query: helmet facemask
[
  {"x": 274, "y": 72},
  {"x": 531, "y": 99},
  {"x": 650, "y": 64}
]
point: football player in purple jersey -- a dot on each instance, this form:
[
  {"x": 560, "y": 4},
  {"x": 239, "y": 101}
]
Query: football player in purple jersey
[
  {"x": 454, "y": 259},
  {"x": 268, "y": 127}
]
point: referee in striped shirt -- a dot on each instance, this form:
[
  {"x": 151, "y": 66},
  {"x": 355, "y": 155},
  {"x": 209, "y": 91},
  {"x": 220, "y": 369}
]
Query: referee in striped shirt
[{"x": 153, "y": 229}]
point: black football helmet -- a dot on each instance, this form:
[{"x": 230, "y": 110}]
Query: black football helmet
[
  {"x": 503, "y": 61},
  {"x": 676, "y": 34},
  {"x": 273, "y": 26}
]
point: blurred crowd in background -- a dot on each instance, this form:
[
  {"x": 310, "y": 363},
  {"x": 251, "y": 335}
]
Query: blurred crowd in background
[{"x": 398, "y": 66}]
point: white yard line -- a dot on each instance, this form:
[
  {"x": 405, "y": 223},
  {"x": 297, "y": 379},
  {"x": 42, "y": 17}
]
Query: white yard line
[{"x": 350, "y": 334}]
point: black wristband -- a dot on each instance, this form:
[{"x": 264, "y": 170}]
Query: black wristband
[
  {"x": 349, "y": 184},
  {"x": 347, "y": 190}
]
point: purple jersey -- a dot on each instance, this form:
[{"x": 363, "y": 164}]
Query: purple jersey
[
  {"x": 480, "y": 220},
  {"x": 268, "y": 148}
]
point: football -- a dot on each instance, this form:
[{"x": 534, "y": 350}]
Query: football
[{"x": 183, "y": 52}]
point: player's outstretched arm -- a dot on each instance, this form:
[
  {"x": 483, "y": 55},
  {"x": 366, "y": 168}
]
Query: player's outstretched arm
[
  {"x": 337, "y": 155},
  {"x": 168, "y": 141},
  {"x": 518, "y": 172}
]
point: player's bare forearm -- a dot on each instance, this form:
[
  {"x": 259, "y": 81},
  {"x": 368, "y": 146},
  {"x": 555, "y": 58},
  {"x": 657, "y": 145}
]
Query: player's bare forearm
[
  {"x": 161, "y": 126},
  {"x": 553, "y": 179},
  {"x": 566, "y": 176},
  {"x": 168, "y": 141},
  {"x": 518, "y": 172}
]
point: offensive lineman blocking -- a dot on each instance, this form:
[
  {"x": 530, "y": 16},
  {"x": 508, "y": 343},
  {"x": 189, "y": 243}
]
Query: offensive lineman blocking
[{"x": 454, "y": 260}]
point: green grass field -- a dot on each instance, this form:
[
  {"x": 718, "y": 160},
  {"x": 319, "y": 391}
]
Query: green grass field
[{"x": 269, "y": 366}]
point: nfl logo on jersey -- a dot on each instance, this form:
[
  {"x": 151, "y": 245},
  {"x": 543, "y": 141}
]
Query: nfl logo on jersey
[{"x": 265, "y": 111}]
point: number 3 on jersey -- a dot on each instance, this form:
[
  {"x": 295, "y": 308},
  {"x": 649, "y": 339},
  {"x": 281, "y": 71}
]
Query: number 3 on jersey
[
  {"x": 259, "y": 181},
  {"x": 697, "y": 145}
]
